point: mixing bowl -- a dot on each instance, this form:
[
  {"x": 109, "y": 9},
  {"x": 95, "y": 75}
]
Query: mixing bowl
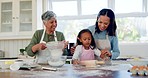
[{"x": 57, "y": 62}]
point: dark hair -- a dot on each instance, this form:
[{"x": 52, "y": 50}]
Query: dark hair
[
  {"x": 111, "y": 29},
  {"x": 93, "y": 45}
]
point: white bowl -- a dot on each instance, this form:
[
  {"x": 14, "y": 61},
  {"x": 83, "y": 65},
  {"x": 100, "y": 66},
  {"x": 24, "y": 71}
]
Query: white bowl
[
  {"x": 55, "y": 45},
  {"x": 19, "y": 62},
  {"x": 138, "y": 62},
  {"x": 29, "y": 61},
  {"x": 54, "y": 62},
  {"x": 15, "y": 66},
  {"x": 5, "y": 64}
]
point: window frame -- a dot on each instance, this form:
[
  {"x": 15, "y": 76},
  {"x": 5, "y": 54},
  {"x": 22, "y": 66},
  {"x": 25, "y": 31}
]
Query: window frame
[{"x": 110, "y": 3}]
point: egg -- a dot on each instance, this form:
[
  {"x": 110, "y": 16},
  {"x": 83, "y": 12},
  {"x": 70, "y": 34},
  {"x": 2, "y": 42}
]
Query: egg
[
  {"x": 134, "y": 70},
  {"x": 146, "y": 71},
  {"x": 141, "y": 70}
]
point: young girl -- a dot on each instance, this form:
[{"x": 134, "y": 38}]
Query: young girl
[{"x": 86, "y": 47}]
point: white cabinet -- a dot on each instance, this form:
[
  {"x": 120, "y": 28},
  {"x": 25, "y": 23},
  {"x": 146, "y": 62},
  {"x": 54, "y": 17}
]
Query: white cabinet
[{"x": 17, "y": 18}]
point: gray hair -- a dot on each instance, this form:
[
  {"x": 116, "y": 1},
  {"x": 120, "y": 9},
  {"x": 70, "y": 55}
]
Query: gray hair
[{"x": 48, "y": 15}]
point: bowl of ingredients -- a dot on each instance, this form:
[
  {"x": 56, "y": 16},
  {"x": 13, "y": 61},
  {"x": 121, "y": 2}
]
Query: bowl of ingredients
[
  {"x": 57, "y": 62},
  {"x": 5, "y": 64}
]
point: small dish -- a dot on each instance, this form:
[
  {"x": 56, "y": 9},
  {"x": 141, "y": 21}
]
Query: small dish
[
  {"x": 15, "y": 66},
  {"x": 28, "y": 66}
]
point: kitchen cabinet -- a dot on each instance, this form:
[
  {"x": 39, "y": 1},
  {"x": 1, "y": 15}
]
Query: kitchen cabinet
[{"x": 17, "y": 18}]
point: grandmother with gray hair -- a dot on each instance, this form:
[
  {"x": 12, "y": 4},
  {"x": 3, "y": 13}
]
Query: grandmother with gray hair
[{"x": 41, "y": 37}]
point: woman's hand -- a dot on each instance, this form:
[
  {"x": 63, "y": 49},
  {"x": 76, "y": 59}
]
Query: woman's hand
[
  {"x": 37, "y": 47},
  {"x": 105, "y": 53}
]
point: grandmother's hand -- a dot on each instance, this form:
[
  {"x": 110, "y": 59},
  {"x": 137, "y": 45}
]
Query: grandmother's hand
[
  {"x": 40, "y": 46},
  {"x": 66, "y": 44}
]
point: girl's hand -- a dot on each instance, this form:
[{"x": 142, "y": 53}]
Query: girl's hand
[
  {"x": 75, "y": 62},
  {"x": 72, "y": 49}
]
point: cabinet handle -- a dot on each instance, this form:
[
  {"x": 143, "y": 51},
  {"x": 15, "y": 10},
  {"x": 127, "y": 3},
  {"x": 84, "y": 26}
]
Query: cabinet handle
[{"x": 16, "y": 17}]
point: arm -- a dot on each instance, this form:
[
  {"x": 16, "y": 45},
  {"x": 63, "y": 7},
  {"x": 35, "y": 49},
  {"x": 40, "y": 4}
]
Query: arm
[
  {"x": 60, "y": 37},
  {"x": 114, "y": 48},
  {"x": 34, "y": 41},
  {"x": 97, "y": 53},
  {"x": 76, "y": 55}
]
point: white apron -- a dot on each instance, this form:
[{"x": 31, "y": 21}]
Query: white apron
[
  {"x": 43, "y": 55},
  {"x": 103, "y": 43}
]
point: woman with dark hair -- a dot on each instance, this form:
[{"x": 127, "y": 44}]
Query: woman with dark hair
[{"x": 104, "y": 33}]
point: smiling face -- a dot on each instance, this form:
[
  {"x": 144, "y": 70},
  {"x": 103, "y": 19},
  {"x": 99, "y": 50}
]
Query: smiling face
[
  {"x": 85, "y": 39},
  {"x": 103, "y": 22},
  {"x": 51, "y": 25}
]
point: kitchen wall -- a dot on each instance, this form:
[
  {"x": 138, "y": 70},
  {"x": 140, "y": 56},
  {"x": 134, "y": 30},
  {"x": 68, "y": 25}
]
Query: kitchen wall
[
  {"x": 11, "y": 48},
  {"x": 134, "y": 49}
]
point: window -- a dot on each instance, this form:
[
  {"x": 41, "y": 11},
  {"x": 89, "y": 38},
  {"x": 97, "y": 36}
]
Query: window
[
  {"x": 132, "y": 29},
  {"x": 65, "y": 8},
  {"x": 92, "y": 6},
  {"x": 132, "y": 20},
  {"x": 72, "y": 27},
  {"x": 131, "y": 16},
  {"x": 128, "y": 6}
]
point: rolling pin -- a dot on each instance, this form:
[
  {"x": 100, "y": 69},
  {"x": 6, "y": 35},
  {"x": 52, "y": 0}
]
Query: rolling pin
[{"x": 91, "y": 63}]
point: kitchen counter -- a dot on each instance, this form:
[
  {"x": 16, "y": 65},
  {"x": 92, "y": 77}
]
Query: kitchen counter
[{"x": 70, "y": 71}]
